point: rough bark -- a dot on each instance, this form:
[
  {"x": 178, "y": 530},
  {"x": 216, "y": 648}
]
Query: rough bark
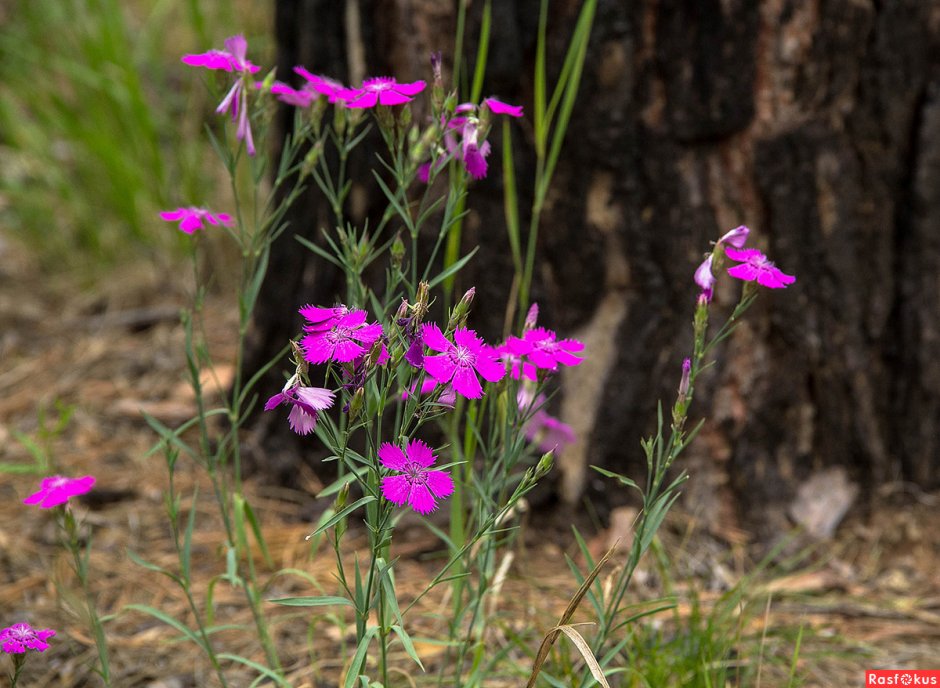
[{"x": 816, "y": 123}]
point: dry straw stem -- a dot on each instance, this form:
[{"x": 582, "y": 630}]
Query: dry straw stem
[{"x": 564, "y": 627}]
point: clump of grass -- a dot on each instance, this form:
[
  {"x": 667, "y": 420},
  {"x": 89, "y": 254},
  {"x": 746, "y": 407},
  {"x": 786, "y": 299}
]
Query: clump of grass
[{"x": 98, "y": 130}]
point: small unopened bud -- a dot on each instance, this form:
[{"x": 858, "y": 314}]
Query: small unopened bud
[
  {"x": 684, "y": 381},
  {"x": 404, "y": 118},
  {"x": 340, "y": 119},
  {"x": 312, "y": 158},
  {"x": 356, "y": 403},
  {"x": 531, "y": 318},
  {"x": 397, "y": 251},
  {"x": 385, "y": 118},
  {"x": 402, "y": 312},
  {"x": 545, "y": 464},
  {"x": 299, "y": 361},
  {"x": 459, "y": 315},
  {"x": 376, "y": 354},
  {"x": 437, "y": 88},
  {"x": 269, "y": 81},
  {"x": 342, "y": 497}
]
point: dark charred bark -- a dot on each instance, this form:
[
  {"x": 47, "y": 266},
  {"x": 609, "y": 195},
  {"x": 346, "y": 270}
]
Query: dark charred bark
[{"x": 815, "y": 123}]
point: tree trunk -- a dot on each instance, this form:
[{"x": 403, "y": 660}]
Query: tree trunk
[{"x": 815, "y": 123}]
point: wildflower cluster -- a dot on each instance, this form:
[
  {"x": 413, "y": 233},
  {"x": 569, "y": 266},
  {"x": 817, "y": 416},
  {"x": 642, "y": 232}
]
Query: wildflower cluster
[
  {"x": 442, "y": 364},
  {"x": 753, "y": 265}
]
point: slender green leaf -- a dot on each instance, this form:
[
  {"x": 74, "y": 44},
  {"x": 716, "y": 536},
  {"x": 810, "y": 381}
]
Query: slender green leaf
[
  {"x": 343, "y": 513},
  {"x": 319, "y": 601}
]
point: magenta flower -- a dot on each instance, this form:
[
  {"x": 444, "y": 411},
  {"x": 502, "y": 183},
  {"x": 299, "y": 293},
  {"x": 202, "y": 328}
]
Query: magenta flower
[
  {"x": 737, "y": 237},
  {"x": 755, "y": 267},
  {"x": 57, "y": 490},
  {"x": 541, "y": 347},
  {"x": 498, "y": 107},
  {"x": 232, "y": 59},
  {"x": 459, "y": 364},
  {"x": 322, "y": 84},
  {"x": 380, "y": 90},
  {"x": 549, "y": 433},
  {"x": 320, "y": 319},
  {"x": 704, "y": 277},
  {"x": 347, "y": 338},
  {"x": 472, "y": 152},
  {"x": 21, "y": 637},
  {"x": 291, "y": 96},
  {"x": 417, "y": 486},
  {"x": 519, "y": 367},
  {"x": 306, "y": 403},
  {"x": 546, "y": 431},
  {"x": 191, "y": 219}
]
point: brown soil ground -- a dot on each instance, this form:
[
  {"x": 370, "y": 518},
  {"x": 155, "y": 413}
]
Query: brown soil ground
[{"x": 870, "y": 598}]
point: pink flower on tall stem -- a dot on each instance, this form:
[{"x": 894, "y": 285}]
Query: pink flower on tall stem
[
  {"x": 459, "y": 363},
  {"x": 705, "y": 278},
  {"x": 541, "y": 347},
  {"x": 56, "y": 490},
  {"x": 291, "y": 96},
  {"x": 191, "y": 219},
  {"x": 416, "y": 485},
  {"x": 21, "y": 637},
  {"x": 347, "y": 338},
  {"x": 324, "y": 85},
  {"x": 755, "y": 267},
  {"x": 380, "y": 90},
  {"x": 498, "y": 107},
  {"x": 233, "y": 59},
  {"x": 306, "y": 404}
]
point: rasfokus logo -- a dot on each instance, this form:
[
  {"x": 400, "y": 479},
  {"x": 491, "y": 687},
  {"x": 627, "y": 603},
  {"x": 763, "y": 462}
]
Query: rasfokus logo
[{"x": 902, "y": 677}]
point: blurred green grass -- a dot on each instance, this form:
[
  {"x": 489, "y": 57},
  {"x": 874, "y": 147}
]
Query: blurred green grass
[{"x": 101, "y": 125}]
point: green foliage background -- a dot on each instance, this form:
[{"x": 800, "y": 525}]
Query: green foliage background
[{"x": 100, "y": 122}]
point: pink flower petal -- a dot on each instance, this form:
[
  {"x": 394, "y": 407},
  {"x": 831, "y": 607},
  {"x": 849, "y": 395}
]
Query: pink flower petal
[
  {"x": 315, "y": 397},
  {"x": 488, "y": 365},
  {"x": 346, "y": 350},
  {"x": 392, "y": 457},
  {"x": 434, "y": 338},
  {"x": 466, "y": 383},
  {"x": 441, "y": 368},
  {"x": 497, "y": 107},
  {"x": 421, "y": 499},
  {"x": 300, "y": 421},
  {"x": 420, "y": 453},
  {"x": 396, "y": 489},
  {"x": 316, "y": 348},
  {"x": 440, "y": 483}
]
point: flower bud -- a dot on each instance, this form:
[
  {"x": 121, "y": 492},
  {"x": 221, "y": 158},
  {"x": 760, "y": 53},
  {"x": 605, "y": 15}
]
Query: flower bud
[
  {"x": 422, "y": 302},
  {"x": 404, "y": 118},
  {"x": 385, "y": 118},
  {"x": 341, "y": 498},
  {"x": 458, "y": 317},
  {"x": 684, "y": 381},
  {"x": 545, "y": 464},
  {"x": 531, "y": 318},
  {"x": 356, "y": 404},
  {"x": 397, "y": 252},
  {"x": 402, "y": 312},
  {"x": 311, "y": 159},
  {"x": 340, "y": 119}
]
